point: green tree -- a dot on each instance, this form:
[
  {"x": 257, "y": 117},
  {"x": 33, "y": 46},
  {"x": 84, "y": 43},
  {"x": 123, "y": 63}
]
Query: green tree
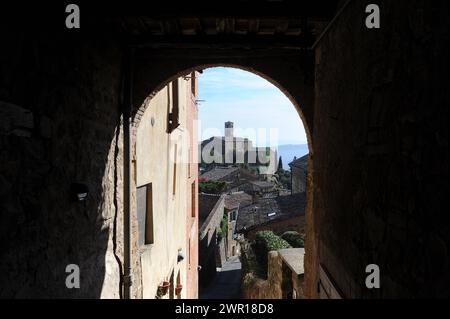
[{"x": 280, "y": 165}]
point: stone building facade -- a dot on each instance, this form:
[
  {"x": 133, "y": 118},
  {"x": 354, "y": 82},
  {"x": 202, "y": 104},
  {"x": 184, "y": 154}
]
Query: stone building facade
[
  {"x": 166, "y": 181},
  {"x": 192, "y": 189},
  {"x": 299, "y": 174},
  {"x": 211, "y": 248},
  {"x": 234, "y": 201}
]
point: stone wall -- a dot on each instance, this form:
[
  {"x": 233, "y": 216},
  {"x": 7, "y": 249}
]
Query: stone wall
[
  {"x": 221, "y": 256},
  {"x": 381, "y": 151},
  {"x": 60, "y": 124},
  {"x": 257, "y": 288},
  {"x": 298, "y": 180},
  {"x": 232, "y": 243},
  {"x": 209, "y": 249},
  {"x": 281, "y": 282}
]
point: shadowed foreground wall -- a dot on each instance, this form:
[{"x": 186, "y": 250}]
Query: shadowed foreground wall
[
  {"x": 381, "y": 150},
  {"x": 60, "y": 121}
]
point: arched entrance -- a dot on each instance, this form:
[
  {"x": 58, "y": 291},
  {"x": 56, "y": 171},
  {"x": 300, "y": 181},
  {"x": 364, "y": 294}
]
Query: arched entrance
[{"x": 161, "y": 77}]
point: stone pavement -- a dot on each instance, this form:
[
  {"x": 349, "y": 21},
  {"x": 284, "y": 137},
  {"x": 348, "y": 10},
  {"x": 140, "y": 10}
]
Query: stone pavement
[{"x": 227, "y": 283}]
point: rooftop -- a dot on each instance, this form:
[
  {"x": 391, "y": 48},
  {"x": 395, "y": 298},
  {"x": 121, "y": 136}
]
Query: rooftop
[
  {"x": 237, "y": 199},
  {"x": 301, "y": 162},
  {"x": 270, "y": 209},
  {"x": 217, "y": 173},
  {"x": 263, "y": 184}
]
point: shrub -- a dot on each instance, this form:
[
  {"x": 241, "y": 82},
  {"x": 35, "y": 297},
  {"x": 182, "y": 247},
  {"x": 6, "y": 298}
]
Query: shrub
[
  {"x": 219, "y": 235},
  {"x": 211, "y": 187},
  {"x": 224, "y": 224},
  {"x": 266, "y": 241},
  {"x": 223, "y": 230},
  {"x": 294, "y": 238},
  {"x": 285, "y": 178}
]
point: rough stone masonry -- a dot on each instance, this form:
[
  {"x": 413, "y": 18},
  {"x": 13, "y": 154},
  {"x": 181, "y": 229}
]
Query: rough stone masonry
[{"x": 374, "y": 104}]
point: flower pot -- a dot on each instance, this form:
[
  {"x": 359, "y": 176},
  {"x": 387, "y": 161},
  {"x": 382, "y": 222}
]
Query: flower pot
[
  {"x": 178, "y": 289},
  {"x": 163, "y": 288}
]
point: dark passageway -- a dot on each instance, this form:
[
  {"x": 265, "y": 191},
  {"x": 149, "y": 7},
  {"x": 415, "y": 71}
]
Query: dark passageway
[{"x": 374, "y": 103}]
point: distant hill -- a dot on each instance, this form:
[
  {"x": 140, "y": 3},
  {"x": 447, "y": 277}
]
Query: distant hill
[{"x": 287, "y": 152}]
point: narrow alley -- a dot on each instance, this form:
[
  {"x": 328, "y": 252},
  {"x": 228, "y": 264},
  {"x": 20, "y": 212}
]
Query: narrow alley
[{"x": 227, "y": 283}]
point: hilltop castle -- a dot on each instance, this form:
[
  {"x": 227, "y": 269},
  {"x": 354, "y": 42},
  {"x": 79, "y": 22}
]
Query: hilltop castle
[{"x": 230, "y": 150}]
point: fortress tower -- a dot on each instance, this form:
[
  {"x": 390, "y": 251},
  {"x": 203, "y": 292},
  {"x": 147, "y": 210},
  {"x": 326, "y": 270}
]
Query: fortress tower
[{"x": 229, "y": 134}]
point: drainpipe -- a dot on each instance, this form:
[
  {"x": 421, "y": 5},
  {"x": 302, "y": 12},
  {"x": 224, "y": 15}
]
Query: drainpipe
[{"x": 127, "y": 111}]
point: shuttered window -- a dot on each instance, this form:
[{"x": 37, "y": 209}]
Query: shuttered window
[{"x": 145, "y": 214}]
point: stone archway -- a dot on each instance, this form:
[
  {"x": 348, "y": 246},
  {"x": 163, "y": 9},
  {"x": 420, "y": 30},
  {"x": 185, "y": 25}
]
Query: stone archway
[{"x": 291, "y": 73}]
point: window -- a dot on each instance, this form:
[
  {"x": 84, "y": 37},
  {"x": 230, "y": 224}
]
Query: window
[
  {"x": 174, "y": 183},
  {"x": 173, "y": 117},
  {"x": 193, "y": 198},
  {"x": 145, "y": 214}
]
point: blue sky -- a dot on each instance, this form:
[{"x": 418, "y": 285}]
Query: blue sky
[{"x": 250, "y": 102}]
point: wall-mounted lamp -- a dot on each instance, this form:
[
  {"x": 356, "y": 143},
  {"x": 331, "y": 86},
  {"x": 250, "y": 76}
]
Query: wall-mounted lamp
[
  {"x": 180, "y": 256},
  {"x": 79, "y": 192}
]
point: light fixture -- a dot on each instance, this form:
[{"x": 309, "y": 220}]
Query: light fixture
[
  {"x": 79, "y": 192},
  {"x": 180, "y": 256}
]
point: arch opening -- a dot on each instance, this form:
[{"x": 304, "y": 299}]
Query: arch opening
[
  {"x": 154, "y": 89},
  {"x": 175, "y": 149}
]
